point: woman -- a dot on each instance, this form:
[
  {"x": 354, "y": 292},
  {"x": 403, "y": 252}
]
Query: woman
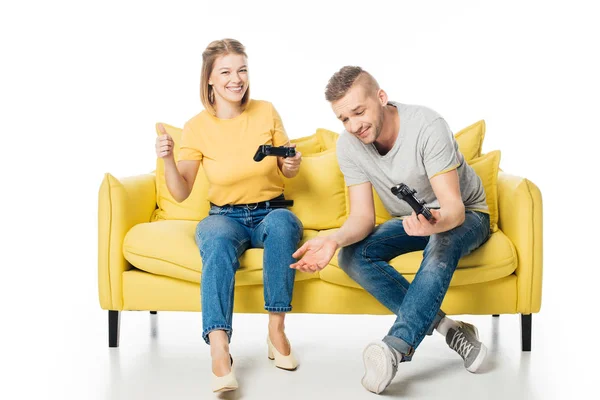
[{"x": 243, "y": 193}]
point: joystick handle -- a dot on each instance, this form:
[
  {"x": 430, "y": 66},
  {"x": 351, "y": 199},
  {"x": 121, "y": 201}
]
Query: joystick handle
[
  {"x": 403, "y": 192},
  {"x": 268, "y": 150}
]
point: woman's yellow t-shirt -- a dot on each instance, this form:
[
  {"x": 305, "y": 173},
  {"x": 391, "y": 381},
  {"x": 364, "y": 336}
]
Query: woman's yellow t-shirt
[{"x": 226, "y": 148}]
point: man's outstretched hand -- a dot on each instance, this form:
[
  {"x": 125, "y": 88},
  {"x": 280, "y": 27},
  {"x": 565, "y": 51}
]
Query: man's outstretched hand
[{"x": 314, "y": 255}]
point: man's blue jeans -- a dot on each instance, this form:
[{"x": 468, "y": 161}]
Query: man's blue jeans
[
  {"x": 417, "y": 305},
  {"x": 222, "y": 237}
]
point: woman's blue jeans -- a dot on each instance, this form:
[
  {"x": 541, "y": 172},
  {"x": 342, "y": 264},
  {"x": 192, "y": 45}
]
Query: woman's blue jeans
[{"x": 222, "y": 237}]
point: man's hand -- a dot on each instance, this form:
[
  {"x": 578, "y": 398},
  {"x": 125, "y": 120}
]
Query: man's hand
[
  {"x": 417, "y": 225},
  {"x": 315, "y": 254}
]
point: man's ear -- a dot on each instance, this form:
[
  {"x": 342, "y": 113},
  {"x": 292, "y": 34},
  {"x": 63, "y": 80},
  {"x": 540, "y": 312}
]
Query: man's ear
[{"x": 382, "y": 97}]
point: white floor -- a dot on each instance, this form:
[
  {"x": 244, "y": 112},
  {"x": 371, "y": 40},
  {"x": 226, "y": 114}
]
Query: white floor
[{"x": 164, "y": 357}]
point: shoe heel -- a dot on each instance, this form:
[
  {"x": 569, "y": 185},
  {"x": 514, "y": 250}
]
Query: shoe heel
[
  {"x": 270, "y": 355},
  {"x": 288, "y": 362}
]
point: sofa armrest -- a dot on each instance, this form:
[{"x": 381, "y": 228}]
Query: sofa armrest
[
  {"x": 520, "y": 218},
  {"x": 121, "y": 205}
]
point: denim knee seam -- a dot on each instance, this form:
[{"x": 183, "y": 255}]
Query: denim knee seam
[
  {"x": 278, "y": 309},
  {"x": 239, "y": 246},
  {"x": 374, "y": 264},
  {"x": 219, "y": 327},
  {"x": 364, "y": 255}
]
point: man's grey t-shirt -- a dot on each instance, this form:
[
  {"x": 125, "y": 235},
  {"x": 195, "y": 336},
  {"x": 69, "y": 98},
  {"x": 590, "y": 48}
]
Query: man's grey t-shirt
[{"x": 425, "y": 147}]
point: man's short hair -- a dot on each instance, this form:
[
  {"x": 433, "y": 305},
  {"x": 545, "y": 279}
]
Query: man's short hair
[{"x": 344, "y": 79}]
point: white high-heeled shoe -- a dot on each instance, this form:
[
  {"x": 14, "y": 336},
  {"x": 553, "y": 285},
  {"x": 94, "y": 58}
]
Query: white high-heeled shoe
[
  {"x": 288, "y": 362},
  {"x": 225, "y": 383}
]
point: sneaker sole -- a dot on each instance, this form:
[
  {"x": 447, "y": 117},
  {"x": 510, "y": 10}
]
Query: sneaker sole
[
  {"x": 479, "y": 360},
  {"x": 378, "y": 370}
]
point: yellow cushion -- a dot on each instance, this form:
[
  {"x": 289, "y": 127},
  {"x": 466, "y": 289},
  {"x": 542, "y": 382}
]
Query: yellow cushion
[
  {"x": 168, "y": 248},
  {"x": 321, "y": 140},
  {"x": 308, "y": 145},
  {"x": 381, "y": 213},
  {"x": 486, "y": 167},
  {"x": 196, "y": 206},
  {"x": 318, "y": 191},
  {"x": 495, "y": 259},
  {"x": 470, "y": 140},
  {"x": 327, "y": 138}
]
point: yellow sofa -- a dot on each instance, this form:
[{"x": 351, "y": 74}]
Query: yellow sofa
[{"x": 148, "y": 259}]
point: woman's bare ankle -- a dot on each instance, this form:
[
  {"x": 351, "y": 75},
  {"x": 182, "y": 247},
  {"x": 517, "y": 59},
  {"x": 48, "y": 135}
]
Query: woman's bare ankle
[
  {"x": 277, "y": 322},
  {"x": 219, "y": 344}
]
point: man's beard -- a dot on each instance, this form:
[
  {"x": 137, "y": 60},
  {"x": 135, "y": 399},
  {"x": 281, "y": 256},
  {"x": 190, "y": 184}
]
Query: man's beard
[{"x": 379, "y": 126}]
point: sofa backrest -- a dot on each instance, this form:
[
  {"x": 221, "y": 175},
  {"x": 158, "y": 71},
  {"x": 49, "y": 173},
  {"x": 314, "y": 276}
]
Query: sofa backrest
[{"x": 319, "y": 191}]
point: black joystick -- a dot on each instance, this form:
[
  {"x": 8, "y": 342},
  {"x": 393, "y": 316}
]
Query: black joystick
[
  {"x": 268, "y": 150},
  {"x": 403, "y": 192}
]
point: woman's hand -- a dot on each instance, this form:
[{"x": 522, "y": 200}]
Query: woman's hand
[
  {"x": 164, "y": 144},
  {"x": 291, "y": 165}
]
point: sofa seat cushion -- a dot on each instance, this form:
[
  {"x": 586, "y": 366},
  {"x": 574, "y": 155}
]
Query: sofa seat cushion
[
  {"x": 168, "y": 248},
  {"x": 495, "y": 259}
]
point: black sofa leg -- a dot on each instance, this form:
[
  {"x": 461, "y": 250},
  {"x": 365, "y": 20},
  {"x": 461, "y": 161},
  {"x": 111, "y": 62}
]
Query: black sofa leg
[
  {"x": 526, "y": 332},
  {"x": 495, "y": 315},
  {"x": 153, "y": 312},
  {"x": 113, "y": 328}
]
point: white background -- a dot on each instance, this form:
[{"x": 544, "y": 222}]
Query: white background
[{"x": 83, "y": 83}]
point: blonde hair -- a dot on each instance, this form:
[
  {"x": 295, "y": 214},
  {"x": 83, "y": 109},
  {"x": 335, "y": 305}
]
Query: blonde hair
[
  {"x": 215, "y": 50},
  {"x": 345, "y": 78}
]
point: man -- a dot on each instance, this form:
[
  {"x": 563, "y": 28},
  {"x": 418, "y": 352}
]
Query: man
[{"x": 384, "y": 144}]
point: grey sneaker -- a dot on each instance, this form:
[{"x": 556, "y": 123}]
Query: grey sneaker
[
  {"x": 465, "y": 341},
  {"x": 381, "y": 365}
]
